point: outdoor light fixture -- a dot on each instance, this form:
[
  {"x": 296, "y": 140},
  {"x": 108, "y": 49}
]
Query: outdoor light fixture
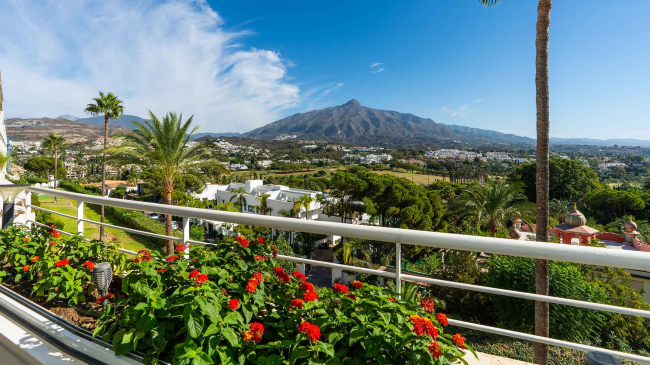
[{"x": 102, "y": 277}]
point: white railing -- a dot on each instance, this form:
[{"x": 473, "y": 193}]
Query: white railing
[{"x": 538, "y": 250}]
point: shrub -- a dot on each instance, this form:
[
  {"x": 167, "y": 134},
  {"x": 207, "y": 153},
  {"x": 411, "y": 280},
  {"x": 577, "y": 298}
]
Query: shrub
[{"x": 197, "y": 233}]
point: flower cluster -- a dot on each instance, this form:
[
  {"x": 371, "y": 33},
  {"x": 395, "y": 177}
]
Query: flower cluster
[
  {"x": 297, "y": 303},
  {"x": 357, "y": 284},
  {"x": 104, "y": 297},
  {"x": 310, "y": 296},
  {"x": 423, "y": 325},
  {"x": 253, "y": 282},
  {"x": 52, "y": 243},
  {"x": 198, "y": 277},
  {"x": 242, "y": 241},
  {"x": 261, "y": 258},
  {"x": 392, "y": 299},
  {"x": 279, "y": 272},
  {"x": 351, "y": 296},
  {"x": 442, "y": 319},
  {"x": 172, "y": 258},
  {"x": 275, "y": 251},
  {"x": 180, "y": 248},
  {"x": 89, "y": 265},
  {"x": 434, "y": 349},
  {"x": 35, "y": 258},
  {"x": 427, "y": 304},
  {"x": 143, "y": 255},
  {"x": 261, "y": 240},
  {"x": 60, "y": 263},
  {"x": 254, "y": 333},
  {"x": 459, "y": 340},
  {"x": 311, "y": 330},
  {"x": 26, "y": 268},
  {"x": 340, "y": 288},
  {"x": 233, "y": 304},
  {"x": 300, "y": 276}
]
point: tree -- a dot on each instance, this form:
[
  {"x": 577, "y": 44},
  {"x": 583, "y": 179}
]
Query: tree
[
  {"x": 41, "y": 166},
  {"x": 558, "y": 208},
  {"x": 240, "y": 197},
  {"x": 542, "y": 190},
  {"x": 571, "y": 180},
  {"x": 54, "y": 144},
  {"x": 264, "y": 207},
  {"x": 304, "y": 202},
  {"x": 164, "y": 146},
  {"x": 346, "y": 188},
  {"x": 607, "y": 205},
  {"x": 111, "y": 107}
]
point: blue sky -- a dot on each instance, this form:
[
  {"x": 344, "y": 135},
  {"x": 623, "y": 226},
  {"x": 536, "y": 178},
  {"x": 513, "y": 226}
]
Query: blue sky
[{"x": 239, "y": 64}]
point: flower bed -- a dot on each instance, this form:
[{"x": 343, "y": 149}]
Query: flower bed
[{"x": 230, "y": 303}]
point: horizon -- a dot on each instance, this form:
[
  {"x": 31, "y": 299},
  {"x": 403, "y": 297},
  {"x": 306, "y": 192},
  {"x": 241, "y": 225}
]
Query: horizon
[{"x": 243, "y": 65}]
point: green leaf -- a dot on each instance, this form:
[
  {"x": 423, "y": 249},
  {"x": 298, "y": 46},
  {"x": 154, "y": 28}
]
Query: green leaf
[
  {"x": 334, "y": 337},
  {"x": 327, "y": 348},
  {"x": 385, "y": 317},
  {"x": 147, "y": 322},
  {"x": 211, "y": 330},
  {"x": 158, "y": 340},
  {"x": 193, "y": 323},
  {"x": 370, "y": 346},
  {"x": 356, "y": 334},
  {"x": 274, "y": 360},
  {"x": 202, "y": 359},
  {"x": 209, "y": 310},
  {"x": 230, "y": 336},
  {"x": 300, "y": 352},
  {"x": 233, "y": 318}
]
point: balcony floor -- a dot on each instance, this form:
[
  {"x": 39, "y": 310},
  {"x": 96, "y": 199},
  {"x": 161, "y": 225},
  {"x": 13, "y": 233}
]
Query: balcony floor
[{"x": 485, "y": 359}]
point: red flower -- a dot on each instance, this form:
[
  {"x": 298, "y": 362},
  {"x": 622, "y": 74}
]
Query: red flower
[
  {"x": 254, "y": 333},
  {"x": 357, "y": 284},
  {"x": 194, "y": 274},
  {"x": 258, "y": 276},
  {"x": 427, "y": 304},
  {"x": 261, "y": 240},
  {"x": 233, "y": 304},
  {"x": 161, "y": 270},
  {"x": 61, "y": 263},
  {"x": 27, "y": 239},
  {"x": 459, "y": 340},
  {"x": 297, "y": 303},
  {"x": 180, "y": 248},
  {"x": 275, "y": 251},
  {"x": 307, "y": 286},
  {"x": 242, "y": 241},
  {"x": 143, "y": 253},
  {"x": 35, "y": 258},
  {"x": 442, "y": 319},
  {"x": 251, "y": 286},
  {"x": 56, "y": 234},
  {"x": 340, "y": 288},
  {"x": 26, "y": 268},
  {"x": 435, "y": 350},
  {"x": 224, "y": 292},
  {"x": 278, "y": 271},
  {"x": 102, "y": 298},
  {"x": 203, "y": 278},
  {"x": 298, "y": 275},
  {"x": 310, "y": 296},
  {"x": 311, "y": 330},
  {"x": 261, "y": 258},
  {"x": 52, "y": 243},
  {"x": 351, "y": 296},
  {"x": 284, "y": 278},
  {"x": 89, "y": 265},
  {"x": 422, "y": 325},
  {"x": 171, "y": 258},
  {"x": 391, "y": 299}
]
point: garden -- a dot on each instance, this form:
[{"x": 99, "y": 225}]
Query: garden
[{"x": 231, "y": 303}]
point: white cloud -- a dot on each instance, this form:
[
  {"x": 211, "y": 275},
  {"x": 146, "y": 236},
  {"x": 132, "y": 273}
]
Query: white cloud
[
  {"x": 462, "y": 111},
  {"x": 375, "y": 64},
  {"x": 170, "y": 56},
  {"x": 331, "y": 88},
  {"x": 378, "y": 70}
]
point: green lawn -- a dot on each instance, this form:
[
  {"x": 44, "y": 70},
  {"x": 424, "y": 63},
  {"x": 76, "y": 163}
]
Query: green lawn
[{"x": 126, "y": 240}]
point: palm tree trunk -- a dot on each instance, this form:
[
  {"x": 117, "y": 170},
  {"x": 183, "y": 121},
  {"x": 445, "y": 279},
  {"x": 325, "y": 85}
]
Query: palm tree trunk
[
  {"x": 543, "y": 116},
  {"x": 103, "y": 190},
  {"x": 56, "y": 163},
  {"x": 168, "y": 221}
]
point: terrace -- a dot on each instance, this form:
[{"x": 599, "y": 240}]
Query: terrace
[{"x": 14, "y": 307}]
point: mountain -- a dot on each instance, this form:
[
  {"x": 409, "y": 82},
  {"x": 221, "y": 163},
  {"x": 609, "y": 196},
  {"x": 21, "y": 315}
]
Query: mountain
[
  {"x": 354, "y": 123},
  {"x": 125, "y": 121},
  {"x": 68, "y": 117},
  {"x": 36, "y": 129},
  {"x": 600, "y": 142},
  {"x": 484, "y": 134},
  {"x": 201, "y": 135}
]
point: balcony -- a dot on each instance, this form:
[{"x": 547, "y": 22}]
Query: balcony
[{"x": 556, "y": 252}]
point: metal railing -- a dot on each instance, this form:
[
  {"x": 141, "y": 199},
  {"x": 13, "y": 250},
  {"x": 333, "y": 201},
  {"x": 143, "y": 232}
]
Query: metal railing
[{"x": 538, "y": 250}]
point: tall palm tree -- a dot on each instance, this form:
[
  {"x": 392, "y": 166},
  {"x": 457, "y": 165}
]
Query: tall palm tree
[
  {"x": 164, "y": 146},
  {"x": 55, "y": 144},
  {"x": 240, "y": 197},
  {"x": 264, "y": 207},
  {"x": 111, "y": 107},
  {"x": 304, "y": 202},
  {"x": 543, "y": 121},
  {"x": 494, "y": 203}
]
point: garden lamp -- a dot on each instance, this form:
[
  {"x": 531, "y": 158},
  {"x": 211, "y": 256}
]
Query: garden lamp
[{"x": 102, "y": 277}]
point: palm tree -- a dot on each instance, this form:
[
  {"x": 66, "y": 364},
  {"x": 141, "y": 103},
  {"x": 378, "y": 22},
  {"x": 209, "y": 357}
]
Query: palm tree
[
  {"x": 54, "y": 144},
  {"x": 352, "y": 247},
  {"x": 494, "y": 203},
  {"x": 264, "y": 207},
  {"x": 559, "y": 208},
  {"x": 304, "y": 202},
  {"x": 543, "y": 121},
  {"x": 240, "y": 197},
  {"x": 164, "y": 147},
  {"x": 111, "y": 107}
]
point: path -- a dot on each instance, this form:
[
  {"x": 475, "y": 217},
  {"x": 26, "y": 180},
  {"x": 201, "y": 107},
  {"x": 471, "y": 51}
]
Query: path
[{"x": 320, "y": 275}]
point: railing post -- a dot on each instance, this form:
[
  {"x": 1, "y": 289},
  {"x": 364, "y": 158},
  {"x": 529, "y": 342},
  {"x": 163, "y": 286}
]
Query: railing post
[
  {"x": 398, "y": 268},
  {"x": 28, "y": 209},
  {"x": 186, "y": 236},
  {"x": 80, "y": 217}
]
